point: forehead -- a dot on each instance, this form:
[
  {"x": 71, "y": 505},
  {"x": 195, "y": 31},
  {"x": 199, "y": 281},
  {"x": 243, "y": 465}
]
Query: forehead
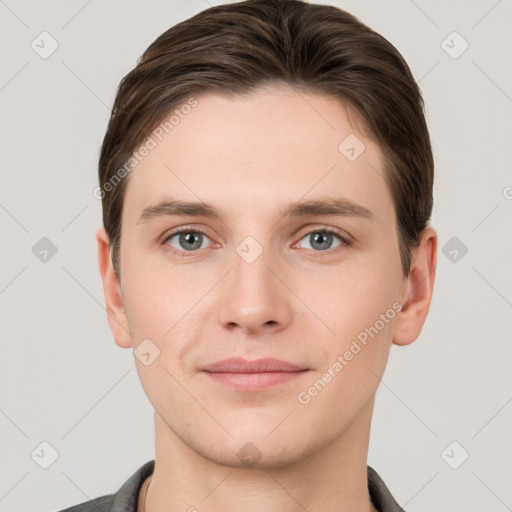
[{"x": 276, "y": 144}]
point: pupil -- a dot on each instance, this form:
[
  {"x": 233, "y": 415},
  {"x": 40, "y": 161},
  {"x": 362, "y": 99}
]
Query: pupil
[
  {"x": 320, "y": 238},
  {"x": 191, "y": 240}
]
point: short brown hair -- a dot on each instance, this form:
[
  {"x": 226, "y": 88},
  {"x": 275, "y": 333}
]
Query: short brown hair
[{"x": 233, "y": 49}]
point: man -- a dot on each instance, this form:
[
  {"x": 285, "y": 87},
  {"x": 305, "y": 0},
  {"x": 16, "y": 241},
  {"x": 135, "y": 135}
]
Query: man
[{"x": 266, "y": 180}]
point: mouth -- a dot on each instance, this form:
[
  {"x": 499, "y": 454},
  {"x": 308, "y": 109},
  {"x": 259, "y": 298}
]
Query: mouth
[{"x": 243, "y": 375}]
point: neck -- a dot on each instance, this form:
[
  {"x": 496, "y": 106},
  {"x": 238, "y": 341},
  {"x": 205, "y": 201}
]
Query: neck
[{"x": 327, "y": 478}]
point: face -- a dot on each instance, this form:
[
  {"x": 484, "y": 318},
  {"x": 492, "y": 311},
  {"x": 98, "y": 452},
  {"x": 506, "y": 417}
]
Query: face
[{"x": 288, "y": 252}]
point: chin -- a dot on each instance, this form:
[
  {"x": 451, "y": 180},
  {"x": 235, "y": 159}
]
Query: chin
[
  {"x": 254, "y": 455},
  {"x": 256, "y": 449}
]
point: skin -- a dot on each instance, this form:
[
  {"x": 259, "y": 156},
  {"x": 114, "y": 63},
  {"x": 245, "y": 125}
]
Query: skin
[{"x": 249, "y": 158}]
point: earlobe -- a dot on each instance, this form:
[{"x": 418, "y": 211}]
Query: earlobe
[
  {"x": 418, "y": 291},
  {"x": 116, "y": 313}
]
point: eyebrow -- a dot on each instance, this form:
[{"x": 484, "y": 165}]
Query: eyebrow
[{"x": 319, "y": 207}]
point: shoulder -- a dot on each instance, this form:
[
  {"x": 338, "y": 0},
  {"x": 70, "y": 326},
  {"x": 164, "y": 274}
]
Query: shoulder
[
  {"x": 380, "y": 495},
  {"x": 101, "y": 504},
  {"x": 124, "y": 500}
]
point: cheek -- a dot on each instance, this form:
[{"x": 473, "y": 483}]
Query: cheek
[
  {"x": 170, "y": 307},
  {"x": 154, "y": 294},
  {"x": 145, "y": 304},
  {"x": 351, "y": 298},
  {"x": 359, "y": 304}
]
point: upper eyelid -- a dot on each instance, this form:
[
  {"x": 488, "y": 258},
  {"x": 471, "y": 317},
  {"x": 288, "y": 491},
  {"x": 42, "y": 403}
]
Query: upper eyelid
[
  {"x": 185, "y": 229},
  {"x": 345, "y": 239}
]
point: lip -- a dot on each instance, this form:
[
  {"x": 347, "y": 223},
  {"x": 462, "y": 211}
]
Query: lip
[
  {"x": 243, "y": 375},
  {"x": 240, "y": 365}
]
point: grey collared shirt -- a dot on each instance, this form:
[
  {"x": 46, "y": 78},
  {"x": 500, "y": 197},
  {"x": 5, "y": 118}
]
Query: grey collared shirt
[{"x": 126, "y": 498}]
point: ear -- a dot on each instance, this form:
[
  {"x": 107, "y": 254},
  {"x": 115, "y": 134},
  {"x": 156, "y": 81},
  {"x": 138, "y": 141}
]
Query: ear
[
  {"x": 116, "y": 314},
  {"x": 418, "y": 290}
]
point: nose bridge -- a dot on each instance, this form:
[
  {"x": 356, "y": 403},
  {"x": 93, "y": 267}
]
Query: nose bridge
[
  {"x": 251, "y": 274},
  {"x": 253, "y": 282},
  {"x": 254, "y": 297}
]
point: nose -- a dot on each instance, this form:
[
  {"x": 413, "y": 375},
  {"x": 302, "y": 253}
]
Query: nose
[{"x": 254, "y": 297}]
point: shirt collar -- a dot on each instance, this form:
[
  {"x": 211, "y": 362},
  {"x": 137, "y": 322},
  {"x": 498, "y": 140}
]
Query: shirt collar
[{"x": 126, "y": 499}]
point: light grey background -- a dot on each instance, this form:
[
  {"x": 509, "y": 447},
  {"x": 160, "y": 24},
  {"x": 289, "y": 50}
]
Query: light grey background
[{"x": 63, "y": 379}]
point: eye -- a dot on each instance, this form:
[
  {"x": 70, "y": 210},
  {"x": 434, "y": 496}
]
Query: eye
[
  {"x": 191, "y": 240},
  {"x": 322, "y": 240},
  {"x": 187, "y": 240}
]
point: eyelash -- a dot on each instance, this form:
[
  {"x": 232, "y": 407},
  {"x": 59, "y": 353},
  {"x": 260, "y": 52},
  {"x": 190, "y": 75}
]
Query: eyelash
[{"x": 345, "y": 241}]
